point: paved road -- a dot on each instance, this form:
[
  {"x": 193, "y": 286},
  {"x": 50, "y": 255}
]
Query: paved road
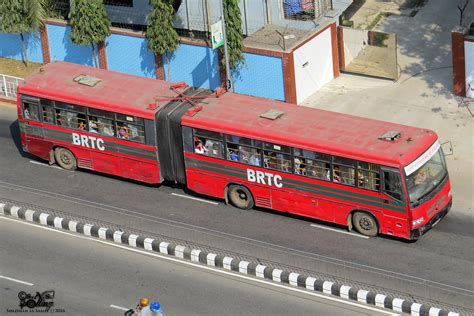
[
  {"x": 439, "y": 266},
  {"x": 88, "y": 277}
]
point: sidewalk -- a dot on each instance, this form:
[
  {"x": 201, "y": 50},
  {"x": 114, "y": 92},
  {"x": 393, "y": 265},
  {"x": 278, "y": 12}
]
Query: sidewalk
[{"x": 421, "y": 97}]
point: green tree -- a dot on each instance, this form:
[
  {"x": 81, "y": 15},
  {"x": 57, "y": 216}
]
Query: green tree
[
  {"x": 89, "y": 24},
  {"x": 161, "y": 36},
  {"x": 233, "y": 25},
  {"x": 21, "y": 16}
]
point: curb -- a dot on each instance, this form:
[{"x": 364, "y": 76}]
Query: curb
[{"x": 226, "y": 263}]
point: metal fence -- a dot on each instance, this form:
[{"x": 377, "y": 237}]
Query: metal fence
[{"x": 8, "y": 86}]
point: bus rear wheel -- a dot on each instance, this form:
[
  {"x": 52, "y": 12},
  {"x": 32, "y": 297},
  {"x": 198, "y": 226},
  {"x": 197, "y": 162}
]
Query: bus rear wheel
[
  {"x": 65, "y": 158},
  {"x": 240, "y": 197},
  {"x": 365, "y": 224}
]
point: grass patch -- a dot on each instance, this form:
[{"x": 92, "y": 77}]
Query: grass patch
[
  {"x": 377, "y": 19},
  {"x": 16, "y": 68}
]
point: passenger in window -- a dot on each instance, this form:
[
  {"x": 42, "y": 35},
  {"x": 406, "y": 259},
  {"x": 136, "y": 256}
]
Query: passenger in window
[
  {"x": 349, "y": 176},
  {"x": 105, "y": 127},
  {"x": 361, "y": 179},
  {"x": 216, "y": 150},
  {"x": 420, "y": 177},
  {"x": 59, "y": 118},
  {"x": 244, "y": 155},
  {"x": 282, "y": 163},
  {"x": 233, "y": 155},
  {"x": 93, "y": 125},
  {"x": 300, "y": 167},
  {"x": 123, "y": 131},
  {"x": 27, "y": 111},
  {"x": 199, "y": 147},
  {"x": 254, "y": 158},
  {"x": 133, "y": 132},
  {"x": 48, "y": 114},
  {"x": 208, "y": 145},
  {"x": 82, "y": 126},
  {"x": 336, "y": 174}
]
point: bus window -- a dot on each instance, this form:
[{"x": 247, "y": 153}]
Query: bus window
[
  {"x": 101, "y": 122},
  {"x": 277, "y": 161},
  {"x": 343, "y": 170},
  {"x": 392, "y": 184},
  {"x": 214, "y": 148},
  {"x": 48, "y": 114},
  {"x": 70, "y": 119},
  {"x": 30, "y": 110},
  {"x": 208, "y": 143},
  {"x": 312, "y": 164},
  {"x": 130, "y": 132},
  {"x": 244, "y": 150},
  {"x": 368, "y": 176}
]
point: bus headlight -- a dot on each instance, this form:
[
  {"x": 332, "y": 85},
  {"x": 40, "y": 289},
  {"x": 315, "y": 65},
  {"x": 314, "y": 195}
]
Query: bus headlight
[{"x": 418, "y": 221}]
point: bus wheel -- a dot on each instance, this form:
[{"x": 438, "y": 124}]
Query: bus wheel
[
  {"x": 365, "y": 224},
  {"x": 240, "y": 197},
  {"x": 65, "y": 158}
]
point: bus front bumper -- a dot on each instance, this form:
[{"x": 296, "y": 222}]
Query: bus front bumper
[{"x": 416, "y": 233}]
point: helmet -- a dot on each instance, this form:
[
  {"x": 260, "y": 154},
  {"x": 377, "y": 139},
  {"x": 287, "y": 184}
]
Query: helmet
[
  {"x": 155, "y": 306},
  {"x": 144, "y": 302}
]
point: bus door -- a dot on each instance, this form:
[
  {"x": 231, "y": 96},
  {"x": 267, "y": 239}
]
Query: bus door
[
  {"x": 395, "y": 222},
  {"x": 32, "y": 127}
]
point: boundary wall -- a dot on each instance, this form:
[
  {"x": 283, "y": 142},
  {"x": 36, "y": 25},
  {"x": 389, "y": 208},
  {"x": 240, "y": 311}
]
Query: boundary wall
[{"x": 265, "y": 73}]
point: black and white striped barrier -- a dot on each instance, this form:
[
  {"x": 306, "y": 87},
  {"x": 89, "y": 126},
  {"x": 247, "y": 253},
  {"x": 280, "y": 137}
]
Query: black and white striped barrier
[{"x": 226, "y": 263}]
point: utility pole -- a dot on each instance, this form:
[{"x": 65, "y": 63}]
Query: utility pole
[{"x": 226, "y": 53}]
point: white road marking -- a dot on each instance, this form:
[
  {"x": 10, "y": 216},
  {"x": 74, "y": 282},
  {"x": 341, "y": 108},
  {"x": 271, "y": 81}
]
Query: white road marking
[
  {"x": 119, "y": 307},
  {"x": 221, "y": 234},
  {"x": 193, "y": 198},
  {"x": 45, "y": 165},
  {"x": 199, "y": 266},
  {"x": 339, "y": 231},
  {"x": 16, "y": 280}
]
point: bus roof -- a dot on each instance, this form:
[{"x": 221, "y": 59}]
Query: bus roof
[
  {"x": 307, "y": 128},
  {"x": 313, "y": 129},
  {"x": 118, "y": 92}
]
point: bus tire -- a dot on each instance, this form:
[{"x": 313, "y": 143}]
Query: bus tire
[
  {"x": 240, "y": 197},
  {"x": 365, "y": 224},
  {"x": 65, "y": 158}
]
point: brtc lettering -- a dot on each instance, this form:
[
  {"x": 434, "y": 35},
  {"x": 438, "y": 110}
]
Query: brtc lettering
[
  {"x": 266, "y": 178},
  {"x": 88, "y": 141}
]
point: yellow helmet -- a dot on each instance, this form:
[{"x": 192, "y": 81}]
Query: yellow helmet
[{"x": 144, "y": 302}]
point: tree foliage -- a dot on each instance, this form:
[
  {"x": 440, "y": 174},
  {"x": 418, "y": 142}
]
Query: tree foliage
[
  {"x": 21, "y": 16},
  {"x": 233, "y": 24},
  {"x": 161, "y": 36},
  {"x": 89, "y": 23}
]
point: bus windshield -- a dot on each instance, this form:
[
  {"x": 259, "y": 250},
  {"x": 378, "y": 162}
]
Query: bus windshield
[{"x": 426, "y": 178}]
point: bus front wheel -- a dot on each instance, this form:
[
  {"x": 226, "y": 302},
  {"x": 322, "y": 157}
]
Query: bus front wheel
[
  {"x": 240, "y": 197},
  {"x": 365, "y": 224},
  {"x": 65, "y": 158}
]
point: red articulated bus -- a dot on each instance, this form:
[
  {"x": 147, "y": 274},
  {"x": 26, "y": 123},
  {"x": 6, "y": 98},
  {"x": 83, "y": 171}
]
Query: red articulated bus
[{"x": 375, "y": 176}]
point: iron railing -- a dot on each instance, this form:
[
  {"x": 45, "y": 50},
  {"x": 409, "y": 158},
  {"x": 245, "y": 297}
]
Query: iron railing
[{"x": 8, "y": 86}]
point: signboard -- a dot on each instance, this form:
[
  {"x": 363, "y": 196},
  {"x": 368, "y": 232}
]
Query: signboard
[
  {"x": 217, "y": 35},
  {"x": 420, "y": 161}
]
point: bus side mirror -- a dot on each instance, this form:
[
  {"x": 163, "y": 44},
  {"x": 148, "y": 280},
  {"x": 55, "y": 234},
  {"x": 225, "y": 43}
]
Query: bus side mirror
[{"x": 447, "y": 148}]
